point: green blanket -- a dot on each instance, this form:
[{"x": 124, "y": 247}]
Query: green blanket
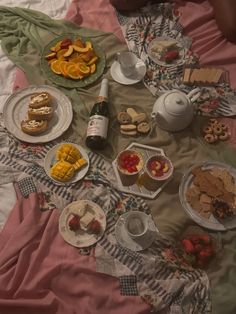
[{"x": 24, "y": 33}]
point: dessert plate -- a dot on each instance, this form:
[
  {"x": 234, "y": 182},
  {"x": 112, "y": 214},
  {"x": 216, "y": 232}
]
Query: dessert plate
[
  {"x": 155, "y": 54},
  {"x": 67, "y": 82},
  {"x": 119, "y": 77},
  {"x": 50, "y": 160},
  {"x": 15, "y": 110},
  {"x": 81, "y": 238},
  {"x": 187, "y": 182},
  {"x": 139, "y": 244}
]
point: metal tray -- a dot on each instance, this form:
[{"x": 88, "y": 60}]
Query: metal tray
[{"x": 138, "y": 188}]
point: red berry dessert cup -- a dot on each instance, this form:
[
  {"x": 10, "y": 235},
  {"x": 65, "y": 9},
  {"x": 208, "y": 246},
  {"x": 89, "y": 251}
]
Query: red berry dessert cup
[
  {"x": 129, "y": 164},
  {"x": 159, "y": 168}
]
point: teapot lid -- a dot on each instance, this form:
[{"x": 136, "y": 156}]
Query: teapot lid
[{"x": 176, "y": 103}]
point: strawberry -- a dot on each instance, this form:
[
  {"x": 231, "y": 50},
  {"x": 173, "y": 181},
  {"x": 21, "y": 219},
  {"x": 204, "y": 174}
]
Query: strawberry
[
  {"x": 188, "y": 246},
  {"x": 207, "y": 251},
  {"x": 198, "y": 247},
  {"x": 205, "y": 238},
  {"x": 95, "y": 226},
  {"x": 74, "y": 223}
]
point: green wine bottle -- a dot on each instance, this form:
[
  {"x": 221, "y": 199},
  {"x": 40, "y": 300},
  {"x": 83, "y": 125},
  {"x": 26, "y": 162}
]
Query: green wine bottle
[{"x": 99, "y": 119}]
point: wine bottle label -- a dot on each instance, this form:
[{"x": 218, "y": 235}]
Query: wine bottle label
[{"x": 97, "y": 126}]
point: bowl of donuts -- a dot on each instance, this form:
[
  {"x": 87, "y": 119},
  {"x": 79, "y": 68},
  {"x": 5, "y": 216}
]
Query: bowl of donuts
[{"x": 215, "y": 131}]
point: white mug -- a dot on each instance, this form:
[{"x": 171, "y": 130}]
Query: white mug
[
  {"x": 127, "y": 61},
  {"x": 136, "y": 224}
]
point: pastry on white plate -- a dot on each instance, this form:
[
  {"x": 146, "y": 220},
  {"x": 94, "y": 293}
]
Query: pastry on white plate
[{"x": 33, "y": 127}]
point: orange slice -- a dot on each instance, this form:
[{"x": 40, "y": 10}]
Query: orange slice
[
  {"x": 55, "y": 66},
  {"x": 57, "y": 47},
  {"x": 51, "y": 61},
  {"x": 64, "y": 66},
  {"x": 73, "y": 72},
  {"x": 92, "y": 68},
  {"x": 93, "y": 60},
  {"x": 83, "y": 69},
  {"x": 60, "y": 53}
]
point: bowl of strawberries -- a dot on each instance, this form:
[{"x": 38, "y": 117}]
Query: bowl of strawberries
[{"x": 199, "y": 247}]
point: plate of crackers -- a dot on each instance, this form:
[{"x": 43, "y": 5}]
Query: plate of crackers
[{"x": 208, "y": 194}]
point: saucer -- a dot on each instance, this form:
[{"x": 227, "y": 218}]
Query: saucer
[
  {"x": 138, "y": 244},
  {"x": 119, "y": 77}
]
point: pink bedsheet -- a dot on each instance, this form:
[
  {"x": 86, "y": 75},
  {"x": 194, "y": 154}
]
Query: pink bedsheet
[
  {"x": 197, "y": 18},
  {"x": 41, "y": 273}
]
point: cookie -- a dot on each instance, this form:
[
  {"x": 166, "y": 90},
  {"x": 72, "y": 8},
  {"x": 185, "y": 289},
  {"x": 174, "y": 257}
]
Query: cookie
[
  {"x": 143, "y": 127},
  {"x": 128, "y": 127},
  {"x": 140, "y": 117},
  {"x": 124, "y": 118}
]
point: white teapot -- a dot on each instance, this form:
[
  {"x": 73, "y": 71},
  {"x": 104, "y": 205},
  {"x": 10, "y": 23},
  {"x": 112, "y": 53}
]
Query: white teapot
[{"x": 173, "y": 111}]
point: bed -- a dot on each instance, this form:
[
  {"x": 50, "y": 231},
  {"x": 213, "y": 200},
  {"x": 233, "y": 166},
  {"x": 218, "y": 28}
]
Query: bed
[{"x": 39, "y": 271}]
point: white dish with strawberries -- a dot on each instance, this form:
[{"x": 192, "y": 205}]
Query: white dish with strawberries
[{"x": 82, "y": 223}]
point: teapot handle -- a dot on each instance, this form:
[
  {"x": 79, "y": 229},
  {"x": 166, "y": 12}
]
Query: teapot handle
[{"x": 194, "y": 94}]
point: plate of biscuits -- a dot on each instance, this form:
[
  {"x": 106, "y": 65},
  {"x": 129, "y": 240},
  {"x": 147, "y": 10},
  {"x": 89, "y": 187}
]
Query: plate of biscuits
[
  {"x": 208, "y": 194},
  {"x": 37, "y": 114}
]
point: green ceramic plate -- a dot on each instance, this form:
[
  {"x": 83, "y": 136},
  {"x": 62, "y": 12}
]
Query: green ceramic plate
[{"x": 67, "y": 82}]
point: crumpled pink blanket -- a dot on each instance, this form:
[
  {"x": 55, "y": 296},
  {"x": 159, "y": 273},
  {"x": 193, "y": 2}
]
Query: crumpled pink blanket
[{"x": 41, "y": 273}]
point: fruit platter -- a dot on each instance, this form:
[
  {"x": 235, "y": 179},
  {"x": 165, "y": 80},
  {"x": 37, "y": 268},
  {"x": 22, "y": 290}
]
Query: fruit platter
[
  {"x": 72, "y": 61},
  {"x": 66, "y": 163}
]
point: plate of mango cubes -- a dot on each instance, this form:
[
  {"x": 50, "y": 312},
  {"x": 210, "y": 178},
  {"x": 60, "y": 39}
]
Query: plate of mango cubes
[{"x": 66, "y": 163}]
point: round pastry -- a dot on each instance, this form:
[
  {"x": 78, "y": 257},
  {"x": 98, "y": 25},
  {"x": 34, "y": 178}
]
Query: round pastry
[
  {"x": 224, "y": 136},
  {"x": 210, "y": 138},
  {"x": 38, "y": 100},
  {"x": 213, "y": 122},
  {"x": 123, "y": 117},
  {"x": 42, "y": 113},
  {"x": 223, "y": 126},
  {"x": 33, "y": 127},
  {"x": 143, "y": 127},
  {"x": 217, "y": 129},
  {"x": 207, "y": 129}
]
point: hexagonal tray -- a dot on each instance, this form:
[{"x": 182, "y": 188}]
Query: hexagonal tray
[{"x": 138, "y": 188}]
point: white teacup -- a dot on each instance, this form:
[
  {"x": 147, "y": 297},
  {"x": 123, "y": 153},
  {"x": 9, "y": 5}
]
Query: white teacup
[
  {"x": 136, "y": 224},
  {"x": 127, "y": 61}
]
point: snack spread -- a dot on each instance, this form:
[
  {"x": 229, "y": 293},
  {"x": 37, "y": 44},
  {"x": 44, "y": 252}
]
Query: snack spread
[
  {"x": 215, "y": 131},
  {"x": 69, "y": 160},
  {"x": 73, "y": 59},
  {"x": 213, "y": 191},
  {"x": 133, "y": 123},
  {"x": 39, "y": 113}
]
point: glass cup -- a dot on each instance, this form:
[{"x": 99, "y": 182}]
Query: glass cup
[{"x": 127, "y": 61}]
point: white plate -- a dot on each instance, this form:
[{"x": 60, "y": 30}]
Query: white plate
[
  {"x": 50, "y": 160},
  {"x": 139, "y": 244},
  {"x": 211, "y": 223},
  {"x": 81, "y": 238},
  {"x": 119, "y": 77},
  {"x": 156, "y": 58},
  {"x": 15, "y": 110}
]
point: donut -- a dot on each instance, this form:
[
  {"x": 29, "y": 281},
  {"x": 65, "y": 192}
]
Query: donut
[
  {"x": 224, "y": 136},
  {"x": 217, "y": 129},
  {"x": 223, "y": 126},
  {"x": 213, "y": 121},
  {"x": 210, "y": 138},
  {"x": 207, "y": 129}
]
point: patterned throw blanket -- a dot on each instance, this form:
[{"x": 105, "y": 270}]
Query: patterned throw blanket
[{"x": 158, "y": 274}]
